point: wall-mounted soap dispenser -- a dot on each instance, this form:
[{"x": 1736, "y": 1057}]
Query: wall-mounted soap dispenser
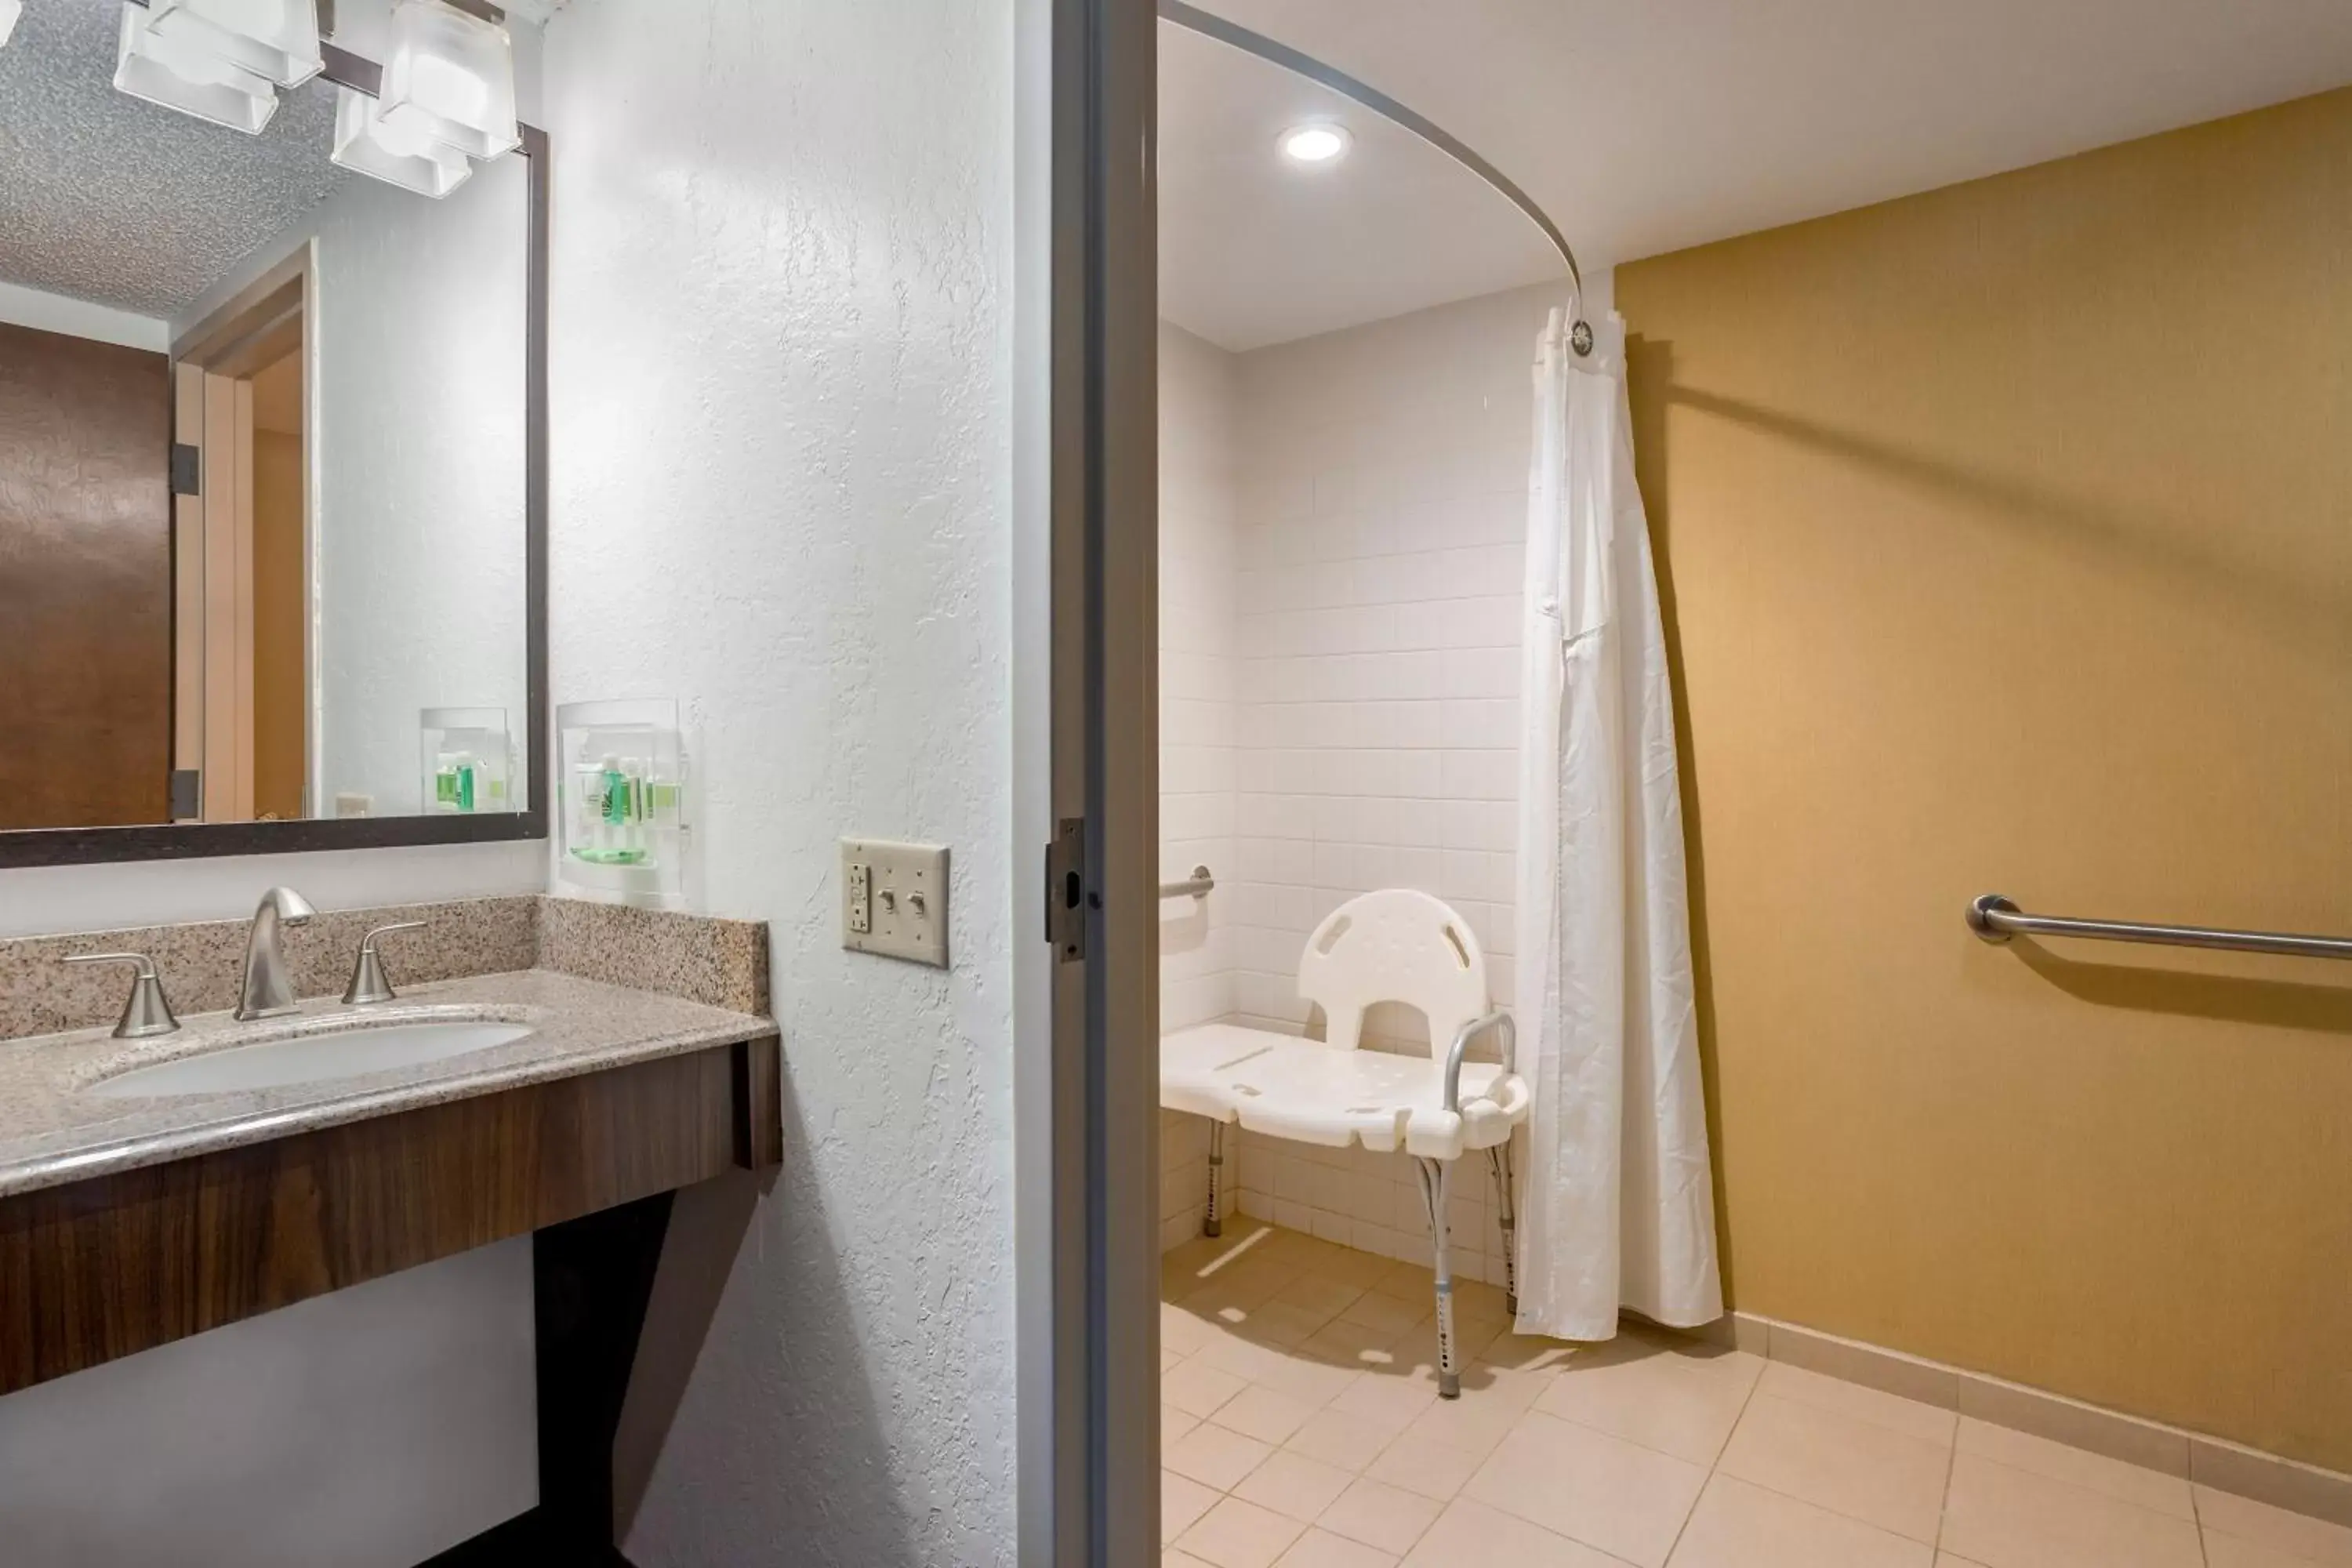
[
  {"x": 621, "y": 783},
  {"x": 469, "y": 761}
]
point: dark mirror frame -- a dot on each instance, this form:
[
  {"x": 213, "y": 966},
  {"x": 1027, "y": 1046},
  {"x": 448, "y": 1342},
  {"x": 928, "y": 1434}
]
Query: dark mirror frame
[{"x": 175, "y": 841}]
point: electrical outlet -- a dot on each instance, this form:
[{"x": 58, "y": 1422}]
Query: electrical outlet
[
  {"x": 895, "y": 900},
  {"x": 860, "y": 878}
]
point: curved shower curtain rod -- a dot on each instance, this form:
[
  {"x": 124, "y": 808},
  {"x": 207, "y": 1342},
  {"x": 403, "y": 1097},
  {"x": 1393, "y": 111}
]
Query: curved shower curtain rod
[{"x": 1209, "y": 25}]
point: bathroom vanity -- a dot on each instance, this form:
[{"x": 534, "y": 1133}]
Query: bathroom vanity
[{"x": 154, "y": 1188}]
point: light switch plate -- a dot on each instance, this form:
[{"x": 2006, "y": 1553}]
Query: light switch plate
[{"x": 894, "y": 899}]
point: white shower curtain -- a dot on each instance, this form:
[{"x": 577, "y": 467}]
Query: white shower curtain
[{"x": 1619, "y": 1202}]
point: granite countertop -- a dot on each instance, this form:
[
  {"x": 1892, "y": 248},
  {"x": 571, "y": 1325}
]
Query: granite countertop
[{"x": 52, "y": 1131}]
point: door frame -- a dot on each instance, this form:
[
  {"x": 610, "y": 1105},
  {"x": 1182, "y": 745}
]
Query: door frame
[
  {"x": 213, "y": 363},
  {"x": 1086, "y": 598}
]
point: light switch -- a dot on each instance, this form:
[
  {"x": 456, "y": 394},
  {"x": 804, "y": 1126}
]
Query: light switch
[{"x": 895, "y": 900}]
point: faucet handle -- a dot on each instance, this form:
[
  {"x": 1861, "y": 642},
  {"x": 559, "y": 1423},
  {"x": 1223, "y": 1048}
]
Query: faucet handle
[
  {"x": 369, "y": 982},
  {"x": 147, "y": 1012}
]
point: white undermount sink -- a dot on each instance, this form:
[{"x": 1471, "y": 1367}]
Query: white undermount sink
[{"x": 310, "y": 1057}]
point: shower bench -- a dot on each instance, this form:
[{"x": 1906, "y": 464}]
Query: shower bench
[{"x": 1394, "y": 945}]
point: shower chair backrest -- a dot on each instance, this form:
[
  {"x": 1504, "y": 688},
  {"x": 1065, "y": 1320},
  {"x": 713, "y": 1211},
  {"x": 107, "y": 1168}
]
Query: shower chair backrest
[{"x": 1394, "y": 945}]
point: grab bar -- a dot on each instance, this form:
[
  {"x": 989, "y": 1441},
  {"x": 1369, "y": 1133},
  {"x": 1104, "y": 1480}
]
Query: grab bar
[
  {"x": 1469, "y": 1032},
  {"x": 1199, "y": 885},
  {"x": 1995, "y": 918}
]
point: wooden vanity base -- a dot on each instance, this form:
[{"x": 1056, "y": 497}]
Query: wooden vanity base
[{"x": 118, "y": 1264}]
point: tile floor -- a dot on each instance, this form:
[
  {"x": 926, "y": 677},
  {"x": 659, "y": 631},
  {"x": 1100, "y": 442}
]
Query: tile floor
[{"x": 1300, "y": 1427}]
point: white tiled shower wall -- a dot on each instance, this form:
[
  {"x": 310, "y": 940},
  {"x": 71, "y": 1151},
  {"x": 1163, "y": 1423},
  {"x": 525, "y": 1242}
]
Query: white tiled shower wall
[
  {"x": 1197, "y": 563},
  {"x": 1379, "y": 507}
]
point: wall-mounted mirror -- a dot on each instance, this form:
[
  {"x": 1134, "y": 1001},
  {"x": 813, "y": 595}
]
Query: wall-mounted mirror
[{"x": 271, "y": 454}]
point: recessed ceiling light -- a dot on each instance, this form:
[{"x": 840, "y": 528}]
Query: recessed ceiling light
[{"x": 1315, "y": 143}]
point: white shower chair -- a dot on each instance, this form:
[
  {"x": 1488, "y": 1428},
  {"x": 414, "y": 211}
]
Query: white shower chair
[{"x": 1394, "y": 945}]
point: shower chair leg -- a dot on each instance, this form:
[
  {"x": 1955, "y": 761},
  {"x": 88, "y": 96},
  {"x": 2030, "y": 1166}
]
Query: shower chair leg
[
  {"x": 1216, "y": 1224},
  {"x": 1499, "y": 1159},
  {"x": 1436, "y": 1183}
]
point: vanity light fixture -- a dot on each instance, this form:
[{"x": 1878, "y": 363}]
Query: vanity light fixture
[
  {"x": 365, "y": 144},
  {"x": 9, "y": 10},
  {"x": 177, "y": 72},
  {"x": 450, "y": 77},
  {"x": 1316, "y": 143},
  {"x": 274, "y": 38}
]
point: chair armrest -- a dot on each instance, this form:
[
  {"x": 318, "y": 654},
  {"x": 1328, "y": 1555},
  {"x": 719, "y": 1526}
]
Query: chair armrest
[{"x": 1470, "y": 1031}]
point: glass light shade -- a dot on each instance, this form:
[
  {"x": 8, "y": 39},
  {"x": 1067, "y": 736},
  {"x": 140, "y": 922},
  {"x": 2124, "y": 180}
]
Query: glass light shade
[
  {"x": 450, "y": 77},
  {"x": 178, "y": 75},
  {"x": 274, "y": 38},
  {"x": 366, "y": 145},
  {"x": 9, "y": 10}
]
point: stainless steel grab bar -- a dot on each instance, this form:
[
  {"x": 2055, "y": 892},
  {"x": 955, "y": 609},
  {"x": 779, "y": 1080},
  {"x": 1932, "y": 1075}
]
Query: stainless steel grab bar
[
  {"x": 1199, "y": 885},
  {"x": 1995, "y": 918}
]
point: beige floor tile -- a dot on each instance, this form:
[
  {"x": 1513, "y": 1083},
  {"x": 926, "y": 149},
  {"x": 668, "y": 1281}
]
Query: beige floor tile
[
  {"x": 1345, "y": 1340},
  {"x": 1174, "y": 1424},
  {"x": 1381, "y": 1313},
  {"x": 1472, "y": 1535},
  {"x": 1180, "y": 1331},
  {"x": 1929, "y": 1423},
  {"x": 1317, "y": 1382},
  {"x": 1197, "y": 1388},
  {"x": 1350, "y": 1267},
  {"x": 2007, "y": 1518},
  {"x": 1412, "y": 1281},
  {"x": 1840, "y": 1462},
  {"x": 1169, "y": 1360},
  {"x": 2076, "y": 1467},
  {"x": 1478, "y": 1421},
  {"x": 1739, "y": 1526},
  {"x": 1320, "y": 1294},
  {"x": 1592, "y": 1487},
  {"x": 1527, "y": 1353},
  {"x": 1321, "y": 1548},
  {"x": 1237, "y": 1534},
  {"x": 1214, "y": 1456},
  {"x": 1401, "y": 1398},
  {"x": 1181, "y": 1502},
  {"x": 1346, "y": 1439},
  {"x": 1243, "y": 1358},
  {"x": 1677, "y": 1403},
  {"x": 1280, "y": 1323},
  {"x": 1291, "y": 1483},
  {"x": 2259, "y": 1524},
  {"x": 1421, "y": 1464},
  {"x": 1946, "y": 1560},
  {"x": 1476, "y": 1298},
  {"x": 2229, "y": 1552},
  {"x": 1172, "y": 1558},
  {"x": 1266, "y": 1414},
  {"x": 1379, "y": 1515},
  {"x": 1417, "y": 1347}
]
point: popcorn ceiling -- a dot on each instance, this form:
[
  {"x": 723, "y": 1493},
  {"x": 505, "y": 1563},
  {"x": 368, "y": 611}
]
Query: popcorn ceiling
[{"x": 108, "y": 199}]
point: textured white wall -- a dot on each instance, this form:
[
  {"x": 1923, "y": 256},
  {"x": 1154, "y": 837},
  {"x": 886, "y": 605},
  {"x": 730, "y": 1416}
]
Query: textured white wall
[
  {"x": 1198, "y": 563},
  {"x": 418, "y": 541},
  {"x": 783, "y": 456}
]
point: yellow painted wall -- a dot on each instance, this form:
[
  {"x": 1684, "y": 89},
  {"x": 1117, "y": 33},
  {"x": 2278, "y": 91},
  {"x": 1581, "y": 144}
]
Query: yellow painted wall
[{"x": 2007, "y": 532}]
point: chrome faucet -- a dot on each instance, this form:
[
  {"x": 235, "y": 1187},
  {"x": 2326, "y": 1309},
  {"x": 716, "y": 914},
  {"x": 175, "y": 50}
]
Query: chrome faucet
[{"x": 267, "y": 989}]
